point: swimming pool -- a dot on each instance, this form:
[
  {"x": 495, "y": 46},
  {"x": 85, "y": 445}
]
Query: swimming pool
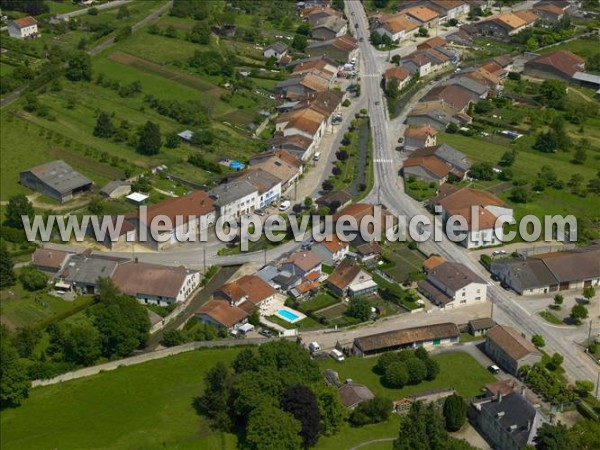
[{"x": 287, "y": 315}]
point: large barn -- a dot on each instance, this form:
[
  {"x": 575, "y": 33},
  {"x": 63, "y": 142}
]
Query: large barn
[{"x": 56, "y": 179}]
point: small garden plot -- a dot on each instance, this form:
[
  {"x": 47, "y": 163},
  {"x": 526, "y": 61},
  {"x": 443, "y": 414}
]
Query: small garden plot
[
  {"x": 319, "y": 302},
  {"x": 333, "y": 311}
]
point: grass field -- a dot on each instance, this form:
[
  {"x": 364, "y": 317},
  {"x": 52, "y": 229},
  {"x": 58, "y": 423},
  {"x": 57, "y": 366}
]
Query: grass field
[
  {"x": 582, "y": 47},
  {"x": 319, "y": 301},
  {"x": 458, "y": 370},
  {"x": 402, "y": 260},
  {"x": 148, "y": 406}
]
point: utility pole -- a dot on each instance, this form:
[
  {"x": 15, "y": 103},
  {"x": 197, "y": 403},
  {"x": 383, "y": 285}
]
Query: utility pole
[
  {"x": 204, "y": 259},
  {"x": 265, "y": 256},
  {"x": 597, "y": 385},
  {"x": 296, "y": 190},
  {"x": 492, "y": 310},
  {"x": 379, "y": 195},
  {"x": 590, "y": 334}
]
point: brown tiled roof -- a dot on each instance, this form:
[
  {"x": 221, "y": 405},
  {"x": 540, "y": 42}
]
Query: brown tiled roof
[
  {"x": 257, "y": 289},
  {"x": 318, "y": 9},
  {"x": 448, "y": 4},
  {"x": 142, "y": 278},
  {"x": 503, "y": 387},
  {"x": 352, "y": 394},
  {"x": 433, "y": 42},
  {"x": 399, "y": 22},
  {"x": 44, "y": 257},
  {"x": 432, "y": 262},
  {"x": 319, "y": 64},
  {"x": 565, "y": 61},
  {"x": 435, "y": 294},
  {"x": 400, "y": 73},
  {"x": 526, "y": 15},
  {"x": 196, "y": 204},
  {"x": 483, "y": 76},
  {"x": 511, "y": 342},
  {"x": 343, "y": 274},
  {"x": 406, "y": 336},
  {"x": 232, "y": 291},
  {"x": 360, "y": 210},
  {"x": 313, "y": 276},
  {"x": 307, "y": 286},
  {"x": 420, "y": 132},
  {"x": 25, "y": 22},
  {"x": 222, "y": 312},
  {"x": 334, "y": 196},
  {"x": 345, "y": 42},
  {"x": 455, "y": 276},
  {"x": 453, "y": 199},
  {"x": 333, "y": 243},
  {"x": 421, "y": 13},
  {"x": 431, "y": 164},
  {"x": 549, "y": 7},
  {"x": 580, "y": 264},
  {"x": 296, "y": 140},
  {"x": 453, "y": 94},
  {"x": 304, "y": 260},
  {"x": 278, "y": 163},
  {"x": 314, "y": 82},
  {"x": 492, "y": 67},
  {"x": 369, "y": 248}
]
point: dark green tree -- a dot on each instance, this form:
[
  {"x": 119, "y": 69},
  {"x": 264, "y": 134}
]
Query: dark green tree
[
  {"x": 396, "y": 375},
  {"x": 553, "y": 437},
  {"x": 578, "y": 313},
  {"x": 271, "y": 428},
  {"x": 333, "y": 413},
  {"x": 14, "y": 381},
  {"x": 417, "y": 371},
  {"x": 149, "y": 139},
  {"x": 553, "y": 93},
  {"x": 359, "y": 308},
  {"x": 25, "y": 340},
  {"x": 172, "y": 140},
  {"x": 376, "y": 410},
  {"x": 216, "y": 395},
  {"x": 79, "y": 67},
  {"x": 33, "y": 279},
  {"x": 300, "y": 42},
  {"x": 81, "y": 341},
  {"x": 433, "y": 369},
  {"x": 301, "y": 403},
  {"x": 455, "y": 412},
  {"x": 7, "y": 273},
  {"x": 18, "y": 206},
  {"x": 245, "y": 360},
  {"x": 104, "y": 127}
]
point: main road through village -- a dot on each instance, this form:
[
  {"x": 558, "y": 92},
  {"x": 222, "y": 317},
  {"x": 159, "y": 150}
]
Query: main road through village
[{"x": 389, "y": 191}]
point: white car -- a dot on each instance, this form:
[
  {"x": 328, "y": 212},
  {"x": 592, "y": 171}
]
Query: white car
[{"x": 284, "y": 205}]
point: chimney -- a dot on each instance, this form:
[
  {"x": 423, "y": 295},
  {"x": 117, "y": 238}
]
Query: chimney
[
  {"x": 529, "y": 425},
  {"x": 135, "y": 260}
]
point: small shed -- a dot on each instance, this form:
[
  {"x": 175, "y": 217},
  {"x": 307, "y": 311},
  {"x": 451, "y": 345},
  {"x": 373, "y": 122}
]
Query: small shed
[{"x": 137, "y": 197}]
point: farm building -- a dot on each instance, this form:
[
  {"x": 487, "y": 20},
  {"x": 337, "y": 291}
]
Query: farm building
[
  {"x": 56, "y": 179},
  {"x": 424, "y": 336},
  {"x": 116, "y": 189},
  {"x": 23, "y": 28},
  {"x": 509, "y": 349}
]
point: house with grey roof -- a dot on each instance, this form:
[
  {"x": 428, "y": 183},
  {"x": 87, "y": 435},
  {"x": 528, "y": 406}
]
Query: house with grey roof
[
  {"x": 277, "y": 50},
  {"x": 83, "y": 271},
  {"x": 234, "y": 199},
  {"x": 267, "y": 185},
  {"x": 450, "y": 285},
  {"x": 508, "y": 422},
  {"x": 57, "y": 180},
  {"x": 329, "y": 28},
  {"x": 478, "y": 89},
  {"x": 458, "y": 162}
]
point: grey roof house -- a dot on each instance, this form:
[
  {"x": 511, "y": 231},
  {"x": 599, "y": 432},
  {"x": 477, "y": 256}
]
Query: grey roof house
[{"x": 56, "y": 179}]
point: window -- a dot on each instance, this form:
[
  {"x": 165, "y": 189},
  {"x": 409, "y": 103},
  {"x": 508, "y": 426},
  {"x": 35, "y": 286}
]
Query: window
[
  {"x": 462, "y": 302},
  {"x": 464, "y": 294},
  {"x": 477, "y": 298},
  {"x": 478, "y": 291}
]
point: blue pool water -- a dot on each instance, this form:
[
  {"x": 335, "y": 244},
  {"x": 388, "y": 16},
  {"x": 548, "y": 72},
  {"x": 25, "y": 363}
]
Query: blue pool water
[{"x": 289, "y": 316}]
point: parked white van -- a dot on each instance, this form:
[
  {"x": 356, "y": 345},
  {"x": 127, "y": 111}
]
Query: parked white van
[
  {"x": 337, "y": 355},
  {"x": 314, "y": 347},
  {"x": 317, "y": 156}
]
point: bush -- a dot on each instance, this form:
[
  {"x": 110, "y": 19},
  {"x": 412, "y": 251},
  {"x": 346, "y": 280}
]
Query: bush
[
  {"x": 455, "y": 412},
  {"x": 486, "y": 260},
  {"x": 376, "y": 410},
  {"x": 396, "y": 375},
  {"x": 346, "y": 102},
  {"x": 33, "y": 279},
  {"x": 417, "y": 371}
]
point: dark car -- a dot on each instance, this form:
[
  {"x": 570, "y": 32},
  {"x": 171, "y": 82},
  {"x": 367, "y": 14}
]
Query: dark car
[
  {"x": 505, "y": 286},
  {"x": 265, "y": 332}
]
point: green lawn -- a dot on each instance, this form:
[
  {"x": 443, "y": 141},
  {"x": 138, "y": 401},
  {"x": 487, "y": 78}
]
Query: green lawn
[
  {"x": 458, "y": 370},
  {"x": 551, "y": 318},
  {"x": 582, "y": 47},
  {"x": 320, "y": 301},
  {"x": 401, "y": 261},
  {"x": 148, "y": 406}
]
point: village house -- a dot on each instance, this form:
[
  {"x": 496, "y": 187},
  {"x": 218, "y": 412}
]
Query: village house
[
  {"x": 82, "y": 271},
  {"x": 448, "y": 9},
  {"x": 479, "y": 327},
  {"x": 548, "y": 11},
  {"x": 424, "y": 336},
  {"x": 477, "y": 89},
  {"x": 341, "y": 49},
  {"x": 300, "y": 85},
  {"x": 368, "y": 251},
  {"x": 422, "y": 16},
  {"x": 397, "y": 27},
  {"x": 306, "y": 122},
  {"x": 352, "y": 394},
  {"x": 510, "y": 350},
  {"x": 437, "y": 163},
  {"x": 450, "y": 285},
  {"x": 297, "y": 145},
  {"x": 304, "y": 264},
  {"x": 507, "y": 421},
  {"x": 329, "y": 28},
  {"x": 234, "y": 199},
  {"x": 331, "y": 249},
  {"x": 400, "y": 74},
  {"x": 557, "y": 65},
  {"x": 192, "y": 213},
  {"x": 480, "y": 210},
  {"x": 349, "y": 280},
  {"x": 268, "y": 186},
  {"x": 49, "y": 261},
  {"x": 334, "y": 200},
  {"x": 506, "y": 25},
  {"x": 234, "y": 302},
  {"x": 126, "y": 234},
  {"x": 437, "y": 114},
  {"x": 417, "y": 137},
  {"x": 23, "y": 28},
  {"x": 154, "y": 284},
  {"x": 277, "y": 50},
  {"x": 315, "y": 14},
  {"x": 57, "y": 180},
  {"x": 458, "y": 97},
  {"x": 281, "y": 164}
]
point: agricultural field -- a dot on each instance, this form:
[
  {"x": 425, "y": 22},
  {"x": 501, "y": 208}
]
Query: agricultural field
[
  {"x": 584, "y": 47},
  {"x": 166, "y": 82}
]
